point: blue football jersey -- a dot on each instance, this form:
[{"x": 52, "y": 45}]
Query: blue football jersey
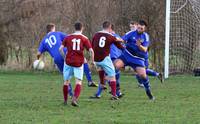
[
  {"x": 131, "y": 38},
  {"x": 51, "y": 44},
  {"x": 114, "y": 51}
]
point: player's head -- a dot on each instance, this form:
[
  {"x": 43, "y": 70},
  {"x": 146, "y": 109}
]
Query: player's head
[
  {"x": 50, "y": 27},
  {"x": 112, "y": 28},
  {"x": 107, "y": 26},
  {"x": 133, "y": 25},
  {"x": 142, "y": 25},
  {"x": 78, "y": 26}
]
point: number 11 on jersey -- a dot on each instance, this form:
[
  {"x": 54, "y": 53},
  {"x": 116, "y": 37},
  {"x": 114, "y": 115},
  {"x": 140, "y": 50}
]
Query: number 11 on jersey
[{"x": 76, "y": 44}]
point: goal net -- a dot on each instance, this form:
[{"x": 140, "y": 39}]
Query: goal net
[{"x": 184, "y": 36}]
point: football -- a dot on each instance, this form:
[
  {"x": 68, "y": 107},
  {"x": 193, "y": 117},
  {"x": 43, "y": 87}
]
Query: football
[{"x": 38, "y": 64}]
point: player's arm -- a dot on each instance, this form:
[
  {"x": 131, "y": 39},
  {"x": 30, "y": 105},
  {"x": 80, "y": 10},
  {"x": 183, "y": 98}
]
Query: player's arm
[
  {"x": 117, "y": 41},
  {"x": 39, "y": 54},
  {"x": 140, "y": 46},
  {"x": 61, "y": 51},
  {"x": 88, "y": 46},
  {"x": 41, "y": 49},
  {"x": 91, "y": 54},
  {"x": 143, "y": 46}
]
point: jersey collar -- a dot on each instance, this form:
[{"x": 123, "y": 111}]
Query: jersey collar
[{"x": 77, "y": 32}]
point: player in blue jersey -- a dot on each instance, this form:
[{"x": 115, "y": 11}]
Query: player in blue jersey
[
  {"x": 114, "y": 54},
  {"x": 133, "y": 27},
  {"x": 135, "y": 53},
  {"x": 51, "y": 44}
]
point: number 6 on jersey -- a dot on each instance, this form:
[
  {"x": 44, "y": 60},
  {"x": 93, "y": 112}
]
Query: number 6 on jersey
[{"x": 102, "y": 42}]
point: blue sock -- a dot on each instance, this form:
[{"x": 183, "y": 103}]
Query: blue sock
[
  {"x": 146, "y": 83},
  {"x": 70, "y": 90},
  {"x": 117, "y": 76},
  {"x": 147, "y": 87},
  {"x": 151, "y": 72},
  {"x": 139, "y": 79},
  {"x": 87, "y": 72},
  {"x": 99, "y": 90}
]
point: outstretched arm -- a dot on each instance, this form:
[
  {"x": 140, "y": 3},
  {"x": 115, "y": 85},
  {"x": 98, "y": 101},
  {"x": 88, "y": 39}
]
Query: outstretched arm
[
  {"x": 39, "y": 54},
  {"x": 91, "y": 55},
  {"x": 61, "y": 51}
]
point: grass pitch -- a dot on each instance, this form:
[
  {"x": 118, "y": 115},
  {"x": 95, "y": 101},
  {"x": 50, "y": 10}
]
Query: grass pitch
[{"x": 36, "y": 98}]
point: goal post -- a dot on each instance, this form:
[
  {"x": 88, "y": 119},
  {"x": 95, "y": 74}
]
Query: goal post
[
  {"x": 182, "y": 37},
  {"x": 167, "y": 31}
]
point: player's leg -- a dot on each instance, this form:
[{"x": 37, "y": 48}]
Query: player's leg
[
  {"x": 141, "y": 71},
  {"x": 60, "y": 65},
  {"x": 78, "y": 74},
  {"x": 119, "y": 63},
  {"x": 109, "y": 69},
  {"x": 151, "y": 72},
  {"x": 101, "y": 82},
  {"x": 112, "y": 83},
  {"x": 117, "y": 76},
  {"x": 88, "y": 74},
  {"x": 65, "y": 91},
  {"x": 67, "y": 73},
  {"x": 140, "y": 84}
]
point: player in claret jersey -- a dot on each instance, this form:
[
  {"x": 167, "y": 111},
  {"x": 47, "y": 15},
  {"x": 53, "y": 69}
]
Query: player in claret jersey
[
  {"x": 74, "y": 60},
  {"x": 51, "y": 43},
  {"x": 101, "y": 43},
  {"x": 114, "y": 54}
]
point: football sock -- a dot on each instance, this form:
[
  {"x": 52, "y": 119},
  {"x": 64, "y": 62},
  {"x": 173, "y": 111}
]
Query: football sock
[
  {"x": 70, "y": 90},
  {"x": 101, "y": 76},
  {"x": 139, "y": 79},
  {"x": 65, "y": 92},
  {"x": 147, "y": 87},
  {"x": 99, "y": 90},
  {"x": 151, "y": 72},
  {"x": 87, "y": 72},
  {"x": 113, "y": 87},
  {"x": 117, "y": 76},
  {"x": 77, "y": 90}
]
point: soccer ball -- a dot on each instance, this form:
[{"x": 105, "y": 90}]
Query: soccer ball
[{"x": 38, "y": 64}]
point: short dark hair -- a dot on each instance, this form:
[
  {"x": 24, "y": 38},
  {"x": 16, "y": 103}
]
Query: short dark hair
[
  {"x": 49, "y": 27},
  {"x": 106, "y": 24},
  {"x": 142, "y": 22},
  {"x": 112, "y": 27},
  {"x": 78, "y": 26},
  {"x": 133, "y": 22}
]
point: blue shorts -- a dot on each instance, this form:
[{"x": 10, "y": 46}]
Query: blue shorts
[
  {"x": 130, "y": 60},
  {"x": 107, "y": 66},
  {"x": 60, "y": 64},
  {"x": 146, "y": 62},
  {"x": 69, "y": 71}
]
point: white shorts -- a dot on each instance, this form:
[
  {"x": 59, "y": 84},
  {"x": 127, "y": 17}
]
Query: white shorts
[
  {"x": 69, "y": 71},
  {"x": 107, "y": 66}
]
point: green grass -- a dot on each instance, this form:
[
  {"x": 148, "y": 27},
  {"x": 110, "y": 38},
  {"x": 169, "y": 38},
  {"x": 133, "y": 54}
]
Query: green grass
[{"x": 36, "y": 98}]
